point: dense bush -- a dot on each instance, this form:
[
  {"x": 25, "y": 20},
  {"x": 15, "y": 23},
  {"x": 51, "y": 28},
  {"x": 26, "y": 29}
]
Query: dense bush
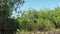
[{"x": 40, "y": 20}]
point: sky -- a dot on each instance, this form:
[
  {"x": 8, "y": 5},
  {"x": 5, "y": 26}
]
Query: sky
[{"x": 40, "y": 4}]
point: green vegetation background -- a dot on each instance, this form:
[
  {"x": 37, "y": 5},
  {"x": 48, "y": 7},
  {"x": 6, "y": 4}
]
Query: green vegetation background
[{"x": 40, "y": 20}]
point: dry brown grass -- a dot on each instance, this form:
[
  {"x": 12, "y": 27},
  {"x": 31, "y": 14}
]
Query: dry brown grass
[{"x": 54, "y": 31}]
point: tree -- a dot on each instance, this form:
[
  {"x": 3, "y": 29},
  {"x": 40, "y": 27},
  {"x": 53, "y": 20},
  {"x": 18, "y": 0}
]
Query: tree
[{"x": 9, "y": 25}]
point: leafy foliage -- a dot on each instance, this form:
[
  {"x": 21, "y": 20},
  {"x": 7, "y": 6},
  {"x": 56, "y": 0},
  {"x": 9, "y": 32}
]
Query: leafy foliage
[
  {"x": 9, "y": 25},
  {"x": 41, "y": 20}
]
